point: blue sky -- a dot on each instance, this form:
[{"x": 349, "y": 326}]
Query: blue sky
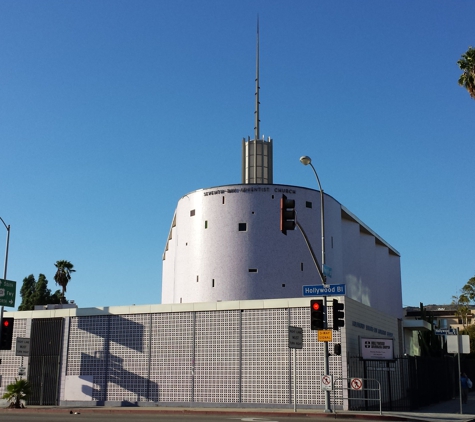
[{"x": 112, "y": 110}]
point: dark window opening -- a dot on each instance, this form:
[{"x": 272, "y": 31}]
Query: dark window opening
[
  {"x": 192, "y": 213},
  {"x": 332, "y": 242},
  {"x": 212, "y": 283},
  {"x": 301, "y": 266},
  {"x": 223, "y": 200},
  {"x": 253, "y": 270},
  {"x": 206, "y": 224},
  {"x": 242, "y": 227},
  {"x": 197, "y": 278},
  {"x": 283, "y": 285},
  {"x": 308, "y": 204}
]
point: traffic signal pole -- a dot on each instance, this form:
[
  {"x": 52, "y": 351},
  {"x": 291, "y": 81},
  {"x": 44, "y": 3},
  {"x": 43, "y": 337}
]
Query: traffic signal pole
[
  {"x": 326, "y": 366},
  {"x": 5, "y": 266},
  {"x": 305, "y": 160}
]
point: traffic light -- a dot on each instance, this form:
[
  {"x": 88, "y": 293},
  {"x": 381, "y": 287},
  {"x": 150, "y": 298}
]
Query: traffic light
[
  {"x": 338, "y": 315},
  {"x": 287, "y": 214},
  {"x": 6, "y": 334},
  {"x": 337, "y": 349},
  {"x": 317, "y": 315}
]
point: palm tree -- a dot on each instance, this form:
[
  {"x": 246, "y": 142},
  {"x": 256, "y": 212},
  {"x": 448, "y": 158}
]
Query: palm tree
[
  {"x": 16, "y": 392},
  {"x": 467, "y": 65},
  {"x": 63, "y": 275}
]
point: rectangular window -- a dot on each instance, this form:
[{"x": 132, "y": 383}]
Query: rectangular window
[
  {"x": 301, "y": 266},
  {"x": 283, "y": 285},
  {"x": 332, "y": 242},
  {"x": 223, "y": 200},
  {"x": 212, "y": 282},
  {"x": 308, "y": 204},
  {"x": 253, "y": 270},
  {"x": 206, "y": 224},
  {"x": 242, "y": 227},
  {"x": 192, "y": 213},
  {"x": 197, "y": 278}
]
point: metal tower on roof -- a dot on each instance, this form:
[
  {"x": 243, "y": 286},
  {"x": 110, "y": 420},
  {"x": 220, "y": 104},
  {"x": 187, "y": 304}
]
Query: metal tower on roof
[
  {"x": 256, "y": 112},
  {"x": 257, "y": 166}
]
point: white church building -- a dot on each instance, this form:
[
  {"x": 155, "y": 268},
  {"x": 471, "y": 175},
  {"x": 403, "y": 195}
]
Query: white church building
[
  {"x": 225, "y": 243},
  {"x": 232, "y": 286}
]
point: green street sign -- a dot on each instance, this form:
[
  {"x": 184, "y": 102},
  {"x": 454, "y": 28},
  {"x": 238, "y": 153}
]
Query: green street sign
[{"x": 7, "y": 292}]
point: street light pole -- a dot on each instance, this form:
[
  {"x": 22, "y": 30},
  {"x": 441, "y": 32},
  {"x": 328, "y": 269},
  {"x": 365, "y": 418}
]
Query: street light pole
[
  {"x": 305, "y": 160},
  {"x": 6, "y": 249}
]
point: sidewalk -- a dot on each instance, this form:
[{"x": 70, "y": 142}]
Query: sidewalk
[{"x": 441, "y": 412}]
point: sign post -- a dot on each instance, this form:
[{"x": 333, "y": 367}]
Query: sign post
[
  {"x": 458, "y": 344},
  {"x": 295, "y": 342},
  {"x": 22, "y": 349}
]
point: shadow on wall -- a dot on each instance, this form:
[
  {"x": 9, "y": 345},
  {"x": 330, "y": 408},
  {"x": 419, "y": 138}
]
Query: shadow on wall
[{"x": 123, "y": 342}]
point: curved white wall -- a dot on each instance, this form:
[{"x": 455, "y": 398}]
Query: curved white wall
[{"x": 207, "y": 258}]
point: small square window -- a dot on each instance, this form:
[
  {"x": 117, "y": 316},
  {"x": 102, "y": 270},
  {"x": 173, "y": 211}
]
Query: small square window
[
  {"x": 283, "y": 285},
  {"x": 242, "y": 227},
  {"x": 308, "y": 204},
  {"x": 192, "y": 213}
]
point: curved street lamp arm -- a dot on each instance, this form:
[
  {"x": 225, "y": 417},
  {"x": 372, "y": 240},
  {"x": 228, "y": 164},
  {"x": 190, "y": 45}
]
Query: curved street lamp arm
[{"x": 315, "y": 260}]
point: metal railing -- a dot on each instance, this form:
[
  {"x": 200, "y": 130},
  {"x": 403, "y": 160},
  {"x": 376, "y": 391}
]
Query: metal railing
[{"x": 357, "y": 385}]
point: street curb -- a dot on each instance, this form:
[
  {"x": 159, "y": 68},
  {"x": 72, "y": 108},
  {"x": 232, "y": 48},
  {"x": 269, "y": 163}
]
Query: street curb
[{"x": 238, "y": 412}]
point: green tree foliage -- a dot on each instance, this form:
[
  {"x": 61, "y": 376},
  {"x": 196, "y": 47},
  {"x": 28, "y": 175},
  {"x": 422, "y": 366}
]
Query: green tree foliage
[
  {"x": 462, "y": 309},
  {"x": 470, "y": 331},
  {"x": 63, "y": 275},
  {"x": 467, "y": 295},
  {"x": 37, "y": 293},
  {"x": 16, "y": 392},
  {"x": 467, "y": 65},
  {"x": 429, "y": 343},
  {"x": 469, "y": 289}
]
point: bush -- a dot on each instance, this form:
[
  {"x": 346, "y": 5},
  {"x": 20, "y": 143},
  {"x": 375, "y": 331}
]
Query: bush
[{"x": 17, "y": 392}]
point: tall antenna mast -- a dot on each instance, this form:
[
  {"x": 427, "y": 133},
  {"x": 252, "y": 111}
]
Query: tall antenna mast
[
  {"x": 256, "y": 112},
  {"x": 257, "y": 162}
]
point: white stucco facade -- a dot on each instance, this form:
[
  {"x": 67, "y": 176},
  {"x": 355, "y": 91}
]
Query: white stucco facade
[{"x": 225, "y": 244}]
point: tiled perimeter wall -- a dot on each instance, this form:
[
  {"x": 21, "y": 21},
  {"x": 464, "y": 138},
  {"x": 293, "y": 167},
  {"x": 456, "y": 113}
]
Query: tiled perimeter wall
[
  {"x": 229, "y": 356},
  {"x": 226, "y": 356}
]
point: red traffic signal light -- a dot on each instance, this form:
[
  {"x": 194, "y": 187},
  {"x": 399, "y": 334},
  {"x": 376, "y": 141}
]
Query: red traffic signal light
[
  {"x": 6, "y": 334},
  {"x": 316, "y": 305},
  {"x": 317, "y": 315}
]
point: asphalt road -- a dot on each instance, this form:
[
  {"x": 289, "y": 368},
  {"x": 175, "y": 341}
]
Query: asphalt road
[{"x": 22, "y": 416}]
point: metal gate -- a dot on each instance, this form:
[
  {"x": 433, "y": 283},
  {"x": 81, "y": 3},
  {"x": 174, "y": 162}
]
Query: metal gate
[
  {"x": 44, "y": 362},
  {"x": 407, "y": 383}
]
